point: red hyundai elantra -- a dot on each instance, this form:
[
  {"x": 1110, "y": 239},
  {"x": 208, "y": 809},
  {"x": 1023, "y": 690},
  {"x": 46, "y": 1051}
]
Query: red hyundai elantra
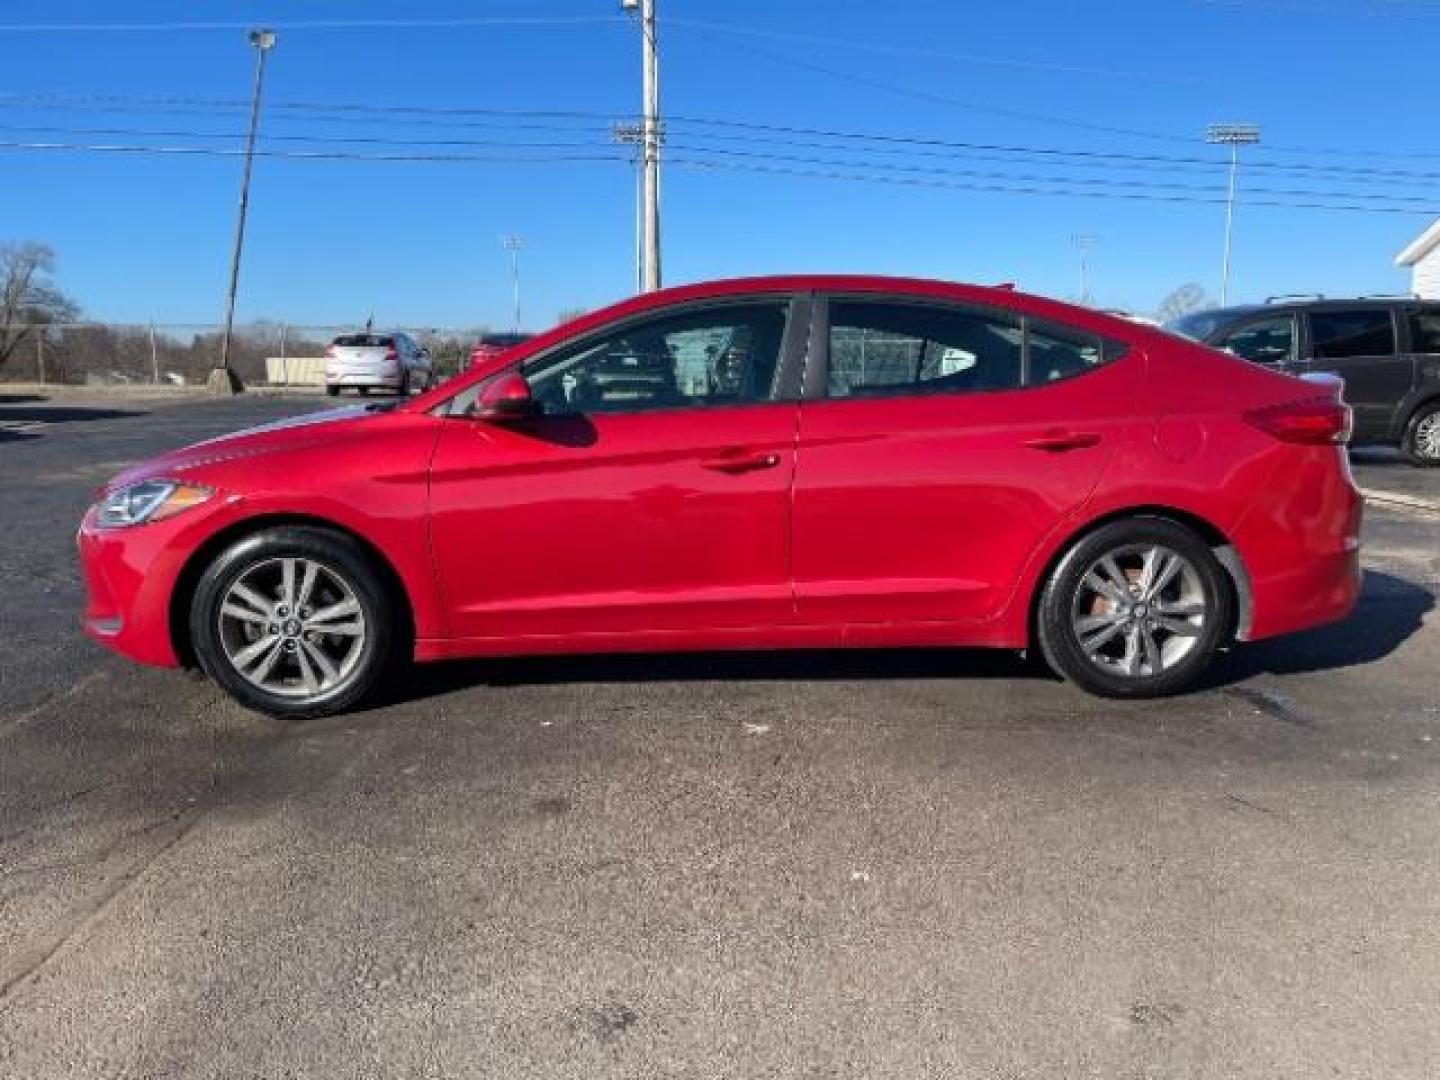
[{"x": 753, "y": 464}]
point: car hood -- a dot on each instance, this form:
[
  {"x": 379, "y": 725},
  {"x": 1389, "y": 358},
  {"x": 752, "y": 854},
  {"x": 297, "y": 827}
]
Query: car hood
[{"x": 291, "y": 433}]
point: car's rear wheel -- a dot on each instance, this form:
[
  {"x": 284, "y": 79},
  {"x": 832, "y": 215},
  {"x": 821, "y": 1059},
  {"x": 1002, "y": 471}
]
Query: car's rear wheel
[
  {"x": 294, "y": 621},
  {"x": 1136, "y": 609},
  {"x": 1422, "y": 436},
  {"x": 403, "y": 390},
  {"x": 332, "y": 391}
]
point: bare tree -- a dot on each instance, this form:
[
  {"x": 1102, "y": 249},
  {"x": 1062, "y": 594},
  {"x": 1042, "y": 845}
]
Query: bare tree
[
  {"x": 27, "y": 296},
  {"x": 1182, "y": 301}
]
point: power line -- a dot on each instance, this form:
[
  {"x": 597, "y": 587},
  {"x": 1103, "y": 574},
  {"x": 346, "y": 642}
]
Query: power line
[
  {"x": 112, "y": 102},
  {"x": 531, "y": 21},
  {"x": 921, "y": 182},
  {"x": 1005, "y": 183},
  {"x": 1429, "y": 201},
  {"x": 308, "y": 155}
]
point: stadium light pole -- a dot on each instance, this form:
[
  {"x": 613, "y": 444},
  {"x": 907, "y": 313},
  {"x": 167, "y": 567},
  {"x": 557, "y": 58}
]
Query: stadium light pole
[
  {"x": 1233, "y": 136},
  {"x": 1085, "y": 244},
  {"x": 514, "y": 245},
  {"x": 223, "y": 379}
]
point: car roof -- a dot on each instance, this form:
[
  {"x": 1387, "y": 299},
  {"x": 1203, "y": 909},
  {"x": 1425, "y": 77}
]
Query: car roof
[{"x": 1283, "y": 304}]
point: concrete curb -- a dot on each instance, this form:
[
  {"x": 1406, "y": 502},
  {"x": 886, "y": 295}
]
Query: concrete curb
[{"x": 1398, "y": 499}]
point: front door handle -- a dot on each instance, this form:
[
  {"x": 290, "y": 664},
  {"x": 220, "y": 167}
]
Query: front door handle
[
  {"x": 1057, "y": 441},
  {"x": 741, "y": 461}
]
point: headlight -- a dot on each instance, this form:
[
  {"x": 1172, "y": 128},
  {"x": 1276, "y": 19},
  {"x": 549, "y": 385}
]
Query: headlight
[{"x": 149, "y": 500}]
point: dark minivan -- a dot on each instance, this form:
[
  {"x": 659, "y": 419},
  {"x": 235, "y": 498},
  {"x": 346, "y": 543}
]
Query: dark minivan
[{"x": 1386, "y": 349}]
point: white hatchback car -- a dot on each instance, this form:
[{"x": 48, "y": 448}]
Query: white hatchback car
[{"x": 383, "y": 361}]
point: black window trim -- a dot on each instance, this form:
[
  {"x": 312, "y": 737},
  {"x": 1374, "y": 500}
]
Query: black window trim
[
  {"x": 789, "y": 365},
  {"x": 817, "y": 368}
]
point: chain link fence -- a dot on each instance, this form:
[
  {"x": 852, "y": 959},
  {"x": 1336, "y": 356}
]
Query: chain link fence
[{"x": 182, "y": 354}]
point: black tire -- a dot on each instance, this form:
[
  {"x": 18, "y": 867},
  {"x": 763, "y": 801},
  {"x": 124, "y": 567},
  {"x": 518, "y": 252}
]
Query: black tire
[
  {"x": 377, "y": 651},
  {"x": 1416, "y": 446},
  {"x": 403, "y": 390},
  {"x": 1068, "y": 588},
  {"x": 332, "y": 391}
]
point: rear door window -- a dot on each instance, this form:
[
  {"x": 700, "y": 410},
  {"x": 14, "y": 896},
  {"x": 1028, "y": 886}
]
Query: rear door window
[
  {"x": 1336, "y": 335},
  {"x": 882, "y": 348},
  {"x": 1269, "y": 341}
]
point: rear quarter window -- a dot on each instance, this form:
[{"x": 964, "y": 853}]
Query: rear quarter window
[{"x": 1425, "y": 331}]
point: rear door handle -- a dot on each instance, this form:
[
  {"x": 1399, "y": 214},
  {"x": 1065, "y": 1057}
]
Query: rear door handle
[
  {"x": 1058, "y": 441},
  {"x": 741, "y": 461}
]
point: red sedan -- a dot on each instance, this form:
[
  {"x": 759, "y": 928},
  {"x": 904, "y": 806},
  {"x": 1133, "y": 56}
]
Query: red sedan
[{"x": 754, "y": 464}]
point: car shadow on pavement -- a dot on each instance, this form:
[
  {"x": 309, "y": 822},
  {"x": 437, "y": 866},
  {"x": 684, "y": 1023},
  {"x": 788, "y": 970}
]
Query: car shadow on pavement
[
  {"x": 1389, "y": 612},
  {"x": 429, "y": 680}
]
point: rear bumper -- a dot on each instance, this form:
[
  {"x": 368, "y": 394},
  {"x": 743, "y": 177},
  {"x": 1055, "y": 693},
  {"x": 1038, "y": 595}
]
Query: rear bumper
[
  {"x": 1301, "y": 546},
  {"x": 389, "y": 380}
]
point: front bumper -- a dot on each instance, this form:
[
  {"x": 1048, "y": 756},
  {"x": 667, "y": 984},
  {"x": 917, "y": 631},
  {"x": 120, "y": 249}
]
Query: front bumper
[{"x": 130, "y": 577}]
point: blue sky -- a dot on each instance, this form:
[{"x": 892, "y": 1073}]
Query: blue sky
[{"x": 147, "y": 236}]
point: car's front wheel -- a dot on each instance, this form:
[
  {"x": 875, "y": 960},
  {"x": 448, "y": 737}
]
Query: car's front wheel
[
  {"x": 294, "y": 621},
  {"x": 1136, "y": 609},
  {"x": 1422, "y": 436}
]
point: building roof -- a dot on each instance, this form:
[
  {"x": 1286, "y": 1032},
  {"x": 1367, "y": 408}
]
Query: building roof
[{"x": 1421, "y": 246}]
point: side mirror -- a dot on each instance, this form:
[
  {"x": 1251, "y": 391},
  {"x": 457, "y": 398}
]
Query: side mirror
[{"x": 506, "y": 399}]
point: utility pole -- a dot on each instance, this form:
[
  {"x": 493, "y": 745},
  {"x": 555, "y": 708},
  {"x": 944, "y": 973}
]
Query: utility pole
[
  {"x": 650, "y": 87},
  {"x": 634, "y": 135},
  {"x": 1085, "y": 244},
  {"x": 1233, "y": 136},
  {"x": 514, "y": 245},
  {"x": 223, "y": 379}
]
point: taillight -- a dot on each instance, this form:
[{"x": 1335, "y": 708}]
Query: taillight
[
  {"x": 329, "y": 350},
  {"x": 392, "y": 354},
  {"x": 1315, "y": 421}
]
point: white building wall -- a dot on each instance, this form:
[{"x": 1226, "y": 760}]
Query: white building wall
[{"x": 1426, "y": 280}]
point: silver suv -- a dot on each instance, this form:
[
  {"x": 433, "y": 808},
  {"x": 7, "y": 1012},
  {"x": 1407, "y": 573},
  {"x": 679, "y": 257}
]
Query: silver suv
[{"x": 366, "y": 361}]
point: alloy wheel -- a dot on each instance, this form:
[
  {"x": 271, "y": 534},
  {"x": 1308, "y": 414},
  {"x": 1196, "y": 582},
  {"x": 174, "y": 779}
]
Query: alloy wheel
[
  {"x": 1427, "y": 436},
  {"x": 1139, "y": 610},
  {"x": 293, "y": 627}
]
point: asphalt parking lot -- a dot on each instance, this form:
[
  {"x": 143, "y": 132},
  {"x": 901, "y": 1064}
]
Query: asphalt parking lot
[{"x": 860, "y": 865}]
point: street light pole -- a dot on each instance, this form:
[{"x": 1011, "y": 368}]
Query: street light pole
[
  {"x": 223, "y": 379},
  {"x": 1233, "y": 136},
  {"x": 514, "y": 244}
]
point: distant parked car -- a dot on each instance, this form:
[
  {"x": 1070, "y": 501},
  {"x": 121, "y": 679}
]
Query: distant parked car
[
  {"x": 790, "y": 462},
  {"x": 493, "y": 345},
  {"x": 1387, "y": 351},
  {"x": 369, "y": 361}
]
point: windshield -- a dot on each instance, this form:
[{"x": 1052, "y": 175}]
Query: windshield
[{"x": 1198, "y": 324}]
